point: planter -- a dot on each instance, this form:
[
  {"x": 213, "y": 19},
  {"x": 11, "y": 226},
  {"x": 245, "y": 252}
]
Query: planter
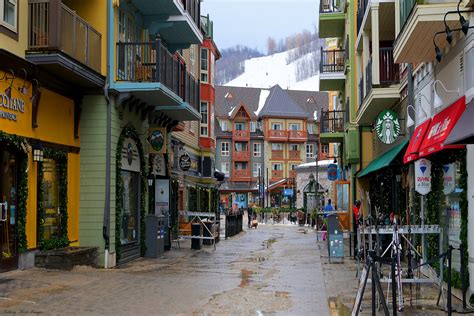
[{"x": 66, "y": 258}]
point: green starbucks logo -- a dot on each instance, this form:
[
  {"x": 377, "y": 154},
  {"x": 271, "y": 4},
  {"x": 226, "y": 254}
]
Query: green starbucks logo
[
  {"x": 157, "y": 140},
  {"x": 387, "y": 127}
]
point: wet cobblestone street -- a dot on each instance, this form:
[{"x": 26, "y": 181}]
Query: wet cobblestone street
[{"x": 271, "y": 270}]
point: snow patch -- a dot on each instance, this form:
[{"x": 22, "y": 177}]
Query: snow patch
[{"x": 261, "y": 101}]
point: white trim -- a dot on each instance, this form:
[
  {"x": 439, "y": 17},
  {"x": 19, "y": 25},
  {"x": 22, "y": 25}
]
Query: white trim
[{"x": 13, "y": 28}]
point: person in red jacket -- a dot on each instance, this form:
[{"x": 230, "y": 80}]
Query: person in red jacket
[{"x": 355, "y": 223}]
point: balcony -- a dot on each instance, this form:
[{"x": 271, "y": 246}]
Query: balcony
[
  {"x": 297, "y": 136},
  {"x": 241, "y": 135},
  {"x": 381, "y": 92},
  {"x": 361, "y": 10},
  {"x": 241, "y": 155},
  {"x": 277, "y": 154},
  {"x": 331, "y": 70},
  {"x": 417, "y": 20},
  {"x": 277, "y": 135},
  {"x": 153, "y": 75},
  {"x": 277, "y": 174},
  {"x": 332, "y": 126},
  {"x": 331, "y": 18},
  {"x": 64, "y": 44},
  {"x": 241, "y": 175},
  {"x": 177, "y": 21},
  {"x": 294, "y": 154}
]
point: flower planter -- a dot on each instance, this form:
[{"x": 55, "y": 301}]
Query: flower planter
[{"x": 66, "y": 258}]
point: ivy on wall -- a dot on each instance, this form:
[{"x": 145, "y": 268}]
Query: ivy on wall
[
  {"x": 435, "y": 206},
  {"x": 129, "y": 132},
  {"x": 60, "y": 158},
  {"x": 18, "y": 145}
]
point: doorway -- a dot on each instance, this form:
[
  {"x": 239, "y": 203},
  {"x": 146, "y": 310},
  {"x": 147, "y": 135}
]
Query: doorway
[{"x": 8, "y": 211}]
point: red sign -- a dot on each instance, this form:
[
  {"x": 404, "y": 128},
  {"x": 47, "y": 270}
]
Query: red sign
[
  {"x": 415, "y": 142},
  {"x": 441, "y": 125}
]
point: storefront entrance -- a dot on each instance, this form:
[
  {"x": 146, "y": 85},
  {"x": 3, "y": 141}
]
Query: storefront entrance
[{"x": 8, "y": 211}]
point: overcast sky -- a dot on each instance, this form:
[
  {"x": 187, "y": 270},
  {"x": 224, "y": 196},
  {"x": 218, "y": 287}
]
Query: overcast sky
[{"x": 251, "y": 22}]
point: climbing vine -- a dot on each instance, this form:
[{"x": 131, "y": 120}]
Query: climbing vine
[
  {"x": 129, "y": 132},
  {"x": 61, "y": 161},
  {"x": 19, "y": 145},
  {"x": 435, "y": 205}
]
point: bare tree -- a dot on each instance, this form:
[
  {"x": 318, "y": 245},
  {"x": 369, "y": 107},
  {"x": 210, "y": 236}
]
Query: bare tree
[{"x": 271, "y": 46}]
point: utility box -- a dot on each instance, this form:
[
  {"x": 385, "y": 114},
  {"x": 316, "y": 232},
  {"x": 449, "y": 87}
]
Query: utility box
[
  {"x": 196, "y": 232},
  {"x": 154, "y": 240},
  {"x": 335, "y": 238}
]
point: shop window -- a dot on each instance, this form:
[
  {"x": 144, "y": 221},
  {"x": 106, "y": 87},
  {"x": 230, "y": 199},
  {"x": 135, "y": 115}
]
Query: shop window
[
  {"x": 8, "y": 206},
  {"x": 8, "y": 14},
  {"x": 129, "y": 216},
  {"x": 50, "y": 200}
]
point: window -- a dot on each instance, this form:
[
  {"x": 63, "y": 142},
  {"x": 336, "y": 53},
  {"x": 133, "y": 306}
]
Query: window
[
  {"x": 51, "y": 199},
  {"x": 257, "y": 169},
  {"x": 293, "y": 167},
  {"x": 257, "y": 150},
  {"x": 309, "y": 151},
  {"x": 8, "y": 14},
  {"x": 224, "y": 126},
  {"x": 311, "y": 128},
  {"x": 277, "y": 146},
  {"x": 225, "y": 149},
  {"x": 129, "y": 216},
  {"x": 225, "y": 166},
  {"x": 192, "y": 57},
  {"x": 324, "y": 148},
  {"x": 240, "y": 166},
  {"x": 277, "y": 166},
  {"x": 204, "y": 65},
  {"x": 253, "y": 127},
  {"x": 212, "y": 70},
  {"x": 239, "y": 126},
  {"x": 277, "y": 126},
  {"x": 294, "y": 127},
  {"x": 240, "y": 146},
  {"x": 294, "y": 147},
  {"x": 204, "y": 119}
]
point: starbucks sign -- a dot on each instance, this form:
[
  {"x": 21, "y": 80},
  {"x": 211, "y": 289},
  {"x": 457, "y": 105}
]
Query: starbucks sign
[{"x": 387, "y": 127}]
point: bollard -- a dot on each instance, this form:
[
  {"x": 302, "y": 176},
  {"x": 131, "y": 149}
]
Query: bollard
[
  {"x": 450, "y": 250},
  {"x": 463, "y": 277}
]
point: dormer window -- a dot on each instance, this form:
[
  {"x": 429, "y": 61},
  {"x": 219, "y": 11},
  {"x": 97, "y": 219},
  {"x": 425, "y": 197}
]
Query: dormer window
[
  {"x": 229, "y": 96},
  {"x": 311, "y": 100}
]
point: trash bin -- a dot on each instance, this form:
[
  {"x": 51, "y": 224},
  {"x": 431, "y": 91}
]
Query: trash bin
[
  {"x": 196, "y": 230},
  {"x": 154, "y": 238}
]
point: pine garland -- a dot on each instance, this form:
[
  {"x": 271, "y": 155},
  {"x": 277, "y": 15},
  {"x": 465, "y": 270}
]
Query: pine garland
[{"x": 435, "y": 206}]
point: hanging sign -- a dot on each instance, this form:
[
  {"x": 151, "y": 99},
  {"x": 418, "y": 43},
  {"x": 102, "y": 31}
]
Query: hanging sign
[
  {"x": 423, "y": 176},
  {"x": 157, "y": 140},
  {"x": 449, "y": 178},
  {"x": 332, "y": 172},
  {"x": 387, "y": 127},
  {"x": 159, "y": 165},
  {"x": 130, "y": 156},
  {"x": 185, "y": 162}
]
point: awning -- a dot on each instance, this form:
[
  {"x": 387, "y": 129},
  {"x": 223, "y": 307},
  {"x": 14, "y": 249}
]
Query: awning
[
  {"x": 415, "y": 142},
  {"x": 384, "y": 160},
  {"x": 463, "y": 131},
  {"x": 441, "y": 125}
]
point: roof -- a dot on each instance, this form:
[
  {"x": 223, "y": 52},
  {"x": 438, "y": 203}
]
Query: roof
[
  {"x": 280, "y": 104},
  {"x": 247, "y": 96},
  {"x": 304, "y": 98}
]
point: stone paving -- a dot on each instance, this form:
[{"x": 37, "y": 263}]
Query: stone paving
[{"x": 275, "y": 270}]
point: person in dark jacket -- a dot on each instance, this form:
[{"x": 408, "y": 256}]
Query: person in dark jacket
[{"x": 249, "y": 215}]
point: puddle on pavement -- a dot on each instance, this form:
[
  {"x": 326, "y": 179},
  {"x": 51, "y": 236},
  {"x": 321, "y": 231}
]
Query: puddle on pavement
[
  {"x": 282, "y": 294},
  {"x": 268, "y": 243},
  {"x": 337, "y": 308},
  {"x": 245, "y": 277}
]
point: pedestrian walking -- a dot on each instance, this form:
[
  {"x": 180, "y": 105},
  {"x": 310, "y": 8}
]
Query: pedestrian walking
[
  {"x": 249, "y": 215},
  {"x": 355, "y": 224}
]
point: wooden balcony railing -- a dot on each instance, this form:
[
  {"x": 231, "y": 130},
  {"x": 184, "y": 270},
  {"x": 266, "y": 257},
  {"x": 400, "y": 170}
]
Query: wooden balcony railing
[
  {"x": 277, "y": 174},
  {"x": 297, "y": 135},
  {"x": 331, "y": 6},
  {"x": 241, "y": 173},
  {"x": 277, "y": 134},
  {"x": 245, "y": 135},
  {"x": 389, "y": 71},
  {"x": 152, "y": 62},
  {"x": 241, "y": 155},
  {"x": 277, "y": 154},
  {"x": 332, "y": 121},
  {"x": 193, "y": 7},
  {"x": 55, "y": 27},
  {"x": 294, "y": 154},
  {"x": 332, "y": 61}
]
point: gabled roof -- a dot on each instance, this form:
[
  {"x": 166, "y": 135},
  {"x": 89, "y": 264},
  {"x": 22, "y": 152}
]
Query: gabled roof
[
  {"x": 321, "y": 101},
  {"x": 236, "y": 109},
  {"x": 247, "y": 96},
  {"x": 280, "y": 104}
]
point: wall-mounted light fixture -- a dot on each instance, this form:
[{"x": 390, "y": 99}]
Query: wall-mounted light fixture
[
  {"x": 38, "y": 152},
  {"x": 410, "y": 121},
  {"x": 437, "y": 101},
  {"x": 24, "y": 89},
  {"x": 150, "y": 179}
]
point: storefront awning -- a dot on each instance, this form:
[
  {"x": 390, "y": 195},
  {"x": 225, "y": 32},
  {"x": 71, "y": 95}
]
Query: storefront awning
[
  {"x": 415, "y": 142},
  {"x": 384, "y": 160},
  {"x": 441, "y": 125},
  {"x": 463, "y": 131}
]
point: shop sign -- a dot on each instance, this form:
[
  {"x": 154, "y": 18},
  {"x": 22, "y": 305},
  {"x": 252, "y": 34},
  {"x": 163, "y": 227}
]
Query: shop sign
[
  {"x": 423, "y": 176},
  {"x": 185, "y": 162},
  {"x": 288, "y": 192},
  {"x": 387, "y": 127},
  {"x": 449, "y": 178},
  {"x": 159, "y": 165},
  {"x": 157, "y": 140},
  {"x": 332, "y": 172},
  {"x": 12, "y": 105},
  {"x": 130, "y": 156}
]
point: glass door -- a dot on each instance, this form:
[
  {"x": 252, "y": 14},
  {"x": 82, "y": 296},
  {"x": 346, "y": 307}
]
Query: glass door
[{"x": 8, "y": 211}]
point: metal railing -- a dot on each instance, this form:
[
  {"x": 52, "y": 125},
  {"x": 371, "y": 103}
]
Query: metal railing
[
  {"x": 332, "y": 61},
  {"x": 389, "y": 71},
  {"x": 53, "y": 26},
  {"x": 333, "y": 121},
  {"x": 368, "y": 77},
  {"x": 152, "y": 62},
  {"x": 193, "y": 7},
  {"x": 406, "y": 7},
  {"x": 361, "y": 9},
  {"x": 331, "y": 6},
  {"x": 297, "y": 135}
]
